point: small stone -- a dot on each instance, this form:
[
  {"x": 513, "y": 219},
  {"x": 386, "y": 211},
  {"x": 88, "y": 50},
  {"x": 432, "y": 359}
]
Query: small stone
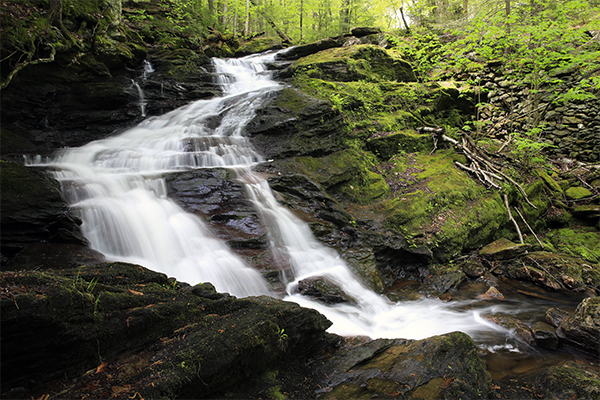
[
  {"x": 491, "y": 294},
  {"x": 503, "y": 249}
]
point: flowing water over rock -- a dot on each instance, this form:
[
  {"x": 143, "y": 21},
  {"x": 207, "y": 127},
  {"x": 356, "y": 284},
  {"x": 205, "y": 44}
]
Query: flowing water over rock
[{"x": 117, "y": 186}]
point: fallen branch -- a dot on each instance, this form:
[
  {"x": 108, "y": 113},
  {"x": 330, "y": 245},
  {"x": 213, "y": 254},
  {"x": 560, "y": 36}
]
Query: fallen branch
[
  {"x": 472, "y": 156},
  {"x": 510, "y": 217},
  {"x": 530, "y": 230}
]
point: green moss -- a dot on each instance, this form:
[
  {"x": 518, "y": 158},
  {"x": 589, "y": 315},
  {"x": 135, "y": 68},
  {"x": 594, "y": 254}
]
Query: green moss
[
  {"x": 441, "y": 207},
  {"x": 577, "y": 242},
  {"x": 550, "y": 183},
  {"x": 406, "y": 140},
  {"x": 346, "y": 173},
  {"x": 577, "y": 192},
  {"x": 360, "y": 62}
]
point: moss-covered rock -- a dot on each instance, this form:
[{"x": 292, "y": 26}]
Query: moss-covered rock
[
  {"x": 190, "y": 341},
  {"x": 353, "y": 63},
  {"x": 582, "y": 329},
  {"x": 577, "y": 192},
  {"x": 445, "y": 366}
]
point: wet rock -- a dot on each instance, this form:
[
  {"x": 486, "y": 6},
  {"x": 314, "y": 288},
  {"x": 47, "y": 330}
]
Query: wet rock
[
  {"x": 555, "y": 315},
  {"x": 445, "y": 366},
  {"x": 363, "y": 262},
  {"x": 552, "y": 271},
  {"x": 544, "y": 335},
  {"x": 503, "y": 249},
  {"x": 473, "y": 268},
  {"x": 567, "y": 380},
  {"x": 518, "y": 327},
  {"x": 491, "y": 294},
  {"x": 323, "y": 290},
  {"x": 46, "y": 255},
  {"x": 214, "y": 195},
  {"x": 445, "y": 282},
  {"x": 582, "y": 329},
  {"x": 33, "y": 210}
]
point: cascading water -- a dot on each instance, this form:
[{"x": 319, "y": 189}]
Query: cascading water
[{"x": 117, "y": 187}]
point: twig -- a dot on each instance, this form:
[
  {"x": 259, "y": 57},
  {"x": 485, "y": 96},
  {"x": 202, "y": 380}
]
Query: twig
[
  {"x": 510, "y": 217},
  {"x": 531, "y": 230},
  {"x": 505, "y": 144}
]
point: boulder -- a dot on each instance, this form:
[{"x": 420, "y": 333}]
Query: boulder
[
  {"x": 291, "y": 124},
  {"x": 554, "y": 316},
  {"x": 445, "y": 366},
  {"x": 296, "y": 52},
  {"x": 323, "y": 290},
  {"x": 582, "y": 329},
  {"x": 564, "y": 380}
]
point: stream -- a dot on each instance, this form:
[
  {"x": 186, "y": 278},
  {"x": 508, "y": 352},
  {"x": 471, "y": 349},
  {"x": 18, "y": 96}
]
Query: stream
[{"x": 117, "y": 187}]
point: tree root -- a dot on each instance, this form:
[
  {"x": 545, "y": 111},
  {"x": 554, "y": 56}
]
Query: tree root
[{"x": 26, "y": 63}]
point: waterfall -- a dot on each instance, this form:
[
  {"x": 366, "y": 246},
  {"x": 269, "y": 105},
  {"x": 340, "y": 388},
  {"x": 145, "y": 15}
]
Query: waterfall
[
  {"x": 141, "y": 97},
  {"x": 117, "y": 186}
]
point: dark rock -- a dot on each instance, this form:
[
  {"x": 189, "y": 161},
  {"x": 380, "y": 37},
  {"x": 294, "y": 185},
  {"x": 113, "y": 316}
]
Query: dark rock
[
  {"x": 296, "y": 52},
  {"x": 291, "y": 124},
  {"x": 567, "y": 380},
  {"x": 323, "y": 290},
  {"x": 364, "y": 31},
  {"x": 445, "y": 282},
  {"x": 518, "y": 327},
  {"x": 445, "y": 366},
  {"x": 214, "y": 195},
  {"x": 189, "y": 341},
  {"x": 473, "y": 268},
  {"x": 544, "y": 335},
  {"x": 582, "y": 329},
  {"x": 46, "y": 255},
  {"x": 554, "y": 316},
  {"x": 33, "y": 210}
]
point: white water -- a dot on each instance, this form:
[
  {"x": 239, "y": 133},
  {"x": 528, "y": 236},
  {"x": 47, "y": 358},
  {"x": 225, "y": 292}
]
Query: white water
[{"x": 117, "y": 187}]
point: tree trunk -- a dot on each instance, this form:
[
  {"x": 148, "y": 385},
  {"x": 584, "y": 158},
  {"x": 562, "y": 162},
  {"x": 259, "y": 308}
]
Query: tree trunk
[
  {"x": 247, "y": 22},
  {"x": 345, "y": 14},
  {"x": 466, "y": 8},
  {"x": 301, "y": 20},
  {"x": 404, "y": 20}
]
